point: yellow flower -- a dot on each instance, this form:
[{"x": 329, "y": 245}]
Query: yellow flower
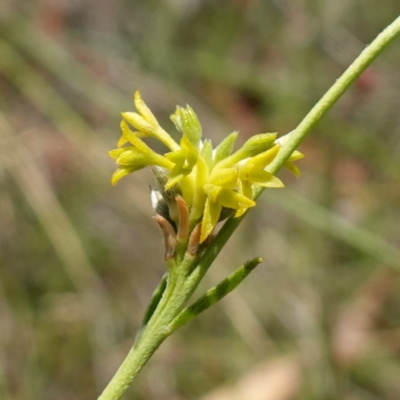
[
  {"x": 252, "y": 172},
  {"x": 146, "y": 124},
  {"x": 217, "y": 198},
  {"x": 296, "y": 155},
  {"x": 133, "y": 158},
  {"x": 187, "y": 123},
  {"x": 206, "y": 181},
  {"x": 184, "y": 159}
]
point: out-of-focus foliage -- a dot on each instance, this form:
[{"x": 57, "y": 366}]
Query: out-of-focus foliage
[{"x": 80, "y": 258}]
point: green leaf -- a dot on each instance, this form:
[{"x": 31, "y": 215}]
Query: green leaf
[
  {"x": 214, "y": 294},
  {"x": 155, "y": 299}
]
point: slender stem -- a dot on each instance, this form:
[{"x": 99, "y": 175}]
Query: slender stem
[
  {"x": 133, "y": 363},
  {"x": 150, "y": 339},
  {"x": 360, "y": 64},
  {"x": 176, "y": 295}
]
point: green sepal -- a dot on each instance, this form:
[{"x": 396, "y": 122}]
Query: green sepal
[{"x": 187, "y": 123}]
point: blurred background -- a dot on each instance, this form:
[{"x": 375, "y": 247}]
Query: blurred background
[{"x": 79, "y": 259}]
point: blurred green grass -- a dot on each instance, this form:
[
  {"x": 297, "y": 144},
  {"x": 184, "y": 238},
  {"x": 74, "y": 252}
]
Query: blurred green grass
[{"x": 79, "y": 259}]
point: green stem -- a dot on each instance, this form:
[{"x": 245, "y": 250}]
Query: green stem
[
  {"x": 360, "y": 64},
  {"x": 156, "y": 331},
  {"x": 179, "y": 291},
  {"x": 133, "y": 363}
]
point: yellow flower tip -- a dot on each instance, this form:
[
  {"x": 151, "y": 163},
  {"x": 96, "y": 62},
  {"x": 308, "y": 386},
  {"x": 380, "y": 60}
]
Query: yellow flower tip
[
  {"x": 172, "y": 182},
  {"x": 144, "y": 111},
  {"x": 122, "y": 140},
  {"x": 296, "y": 155},
  {"x": 140, "y": 123},
  {"x": 119, "y": 173},
  {"x": 114, "y": 154},
  {"x": 293, "y": 168}
]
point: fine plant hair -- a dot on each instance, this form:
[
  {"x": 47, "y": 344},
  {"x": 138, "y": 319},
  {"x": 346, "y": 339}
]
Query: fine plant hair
[{"x": 197, "y": 187}]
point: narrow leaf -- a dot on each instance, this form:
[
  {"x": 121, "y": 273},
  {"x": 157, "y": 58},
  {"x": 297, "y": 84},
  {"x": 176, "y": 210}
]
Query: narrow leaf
[
  {"x": 215, "y": 294},
  {"x": 155, "y": 299}
]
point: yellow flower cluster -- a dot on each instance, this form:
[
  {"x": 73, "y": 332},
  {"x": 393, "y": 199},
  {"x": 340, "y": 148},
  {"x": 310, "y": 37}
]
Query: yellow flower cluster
[{"x": 209, "y": 180}]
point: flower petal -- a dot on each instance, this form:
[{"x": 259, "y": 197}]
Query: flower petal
[
  {"x": 296, "y": 155},
  {"x": 264, "y": 178},
  {"x": 260, "y": 161},
  {"x": 175, "y": 176},
  {"x": 122, "y": 140},
  {"x": 117, "y": 152},
  {"x": 226, "y": 177},
  {"x": 138, "y": 122},
  {"x": 134, "y": 158},
  {"x": 120, "y": 172},
  {"x": 292, "y": 167},
  {"x": 231, "y": 199},
  {"x": 212, "y": 212},
  {"x": 143, "y": 109}
]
